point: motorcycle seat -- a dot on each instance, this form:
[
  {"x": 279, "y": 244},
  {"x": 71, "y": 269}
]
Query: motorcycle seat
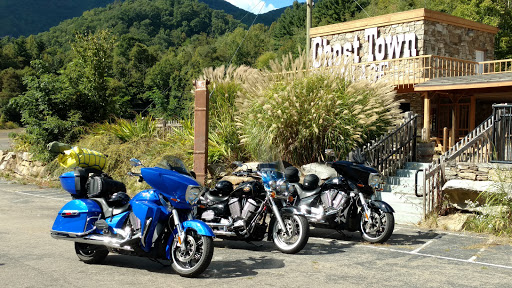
[
  {"x": 304, "y": 193},
  {"x": 110, "y": 211},
  {"x": 216, "y": 199}
]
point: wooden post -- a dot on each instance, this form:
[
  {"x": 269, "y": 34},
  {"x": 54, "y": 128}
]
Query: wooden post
[
  {"x": 201, "y": 130},
  {"x": 426, "y": 116},
  {"x": 472, "y": 113},
  {"x": 454, "y": 127},
  {"x": 445, "y": 139},
  {"x": 309, "y": 3}
]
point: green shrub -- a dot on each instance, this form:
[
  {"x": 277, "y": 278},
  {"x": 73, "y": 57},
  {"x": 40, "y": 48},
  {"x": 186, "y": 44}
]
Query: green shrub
[
  {"x": 298, "y": 115},
  {"x": 128, "y": 130},
  {"x": 495, "y": 215}
]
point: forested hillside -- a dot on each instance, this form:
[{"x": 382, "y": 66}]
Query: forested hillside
[
  {"x": 26, "y": 17},
  {"x": 142, "y": 56}
]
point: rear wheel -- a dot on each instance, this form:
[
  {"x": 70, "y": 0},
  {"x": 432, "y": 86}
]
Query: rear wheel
[
  {"x": 90, "y": 253},
  {"x": 193, "y": 256},
  {"x": 294, "y": 236},
  {"x": 378, "y": 227}
]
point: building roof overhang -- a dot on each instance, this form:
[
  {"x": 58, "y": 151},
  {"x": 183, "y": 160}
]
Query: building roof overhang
[
  {"x": 481, "y": 82},
  {"x": 397, "y": 18}
]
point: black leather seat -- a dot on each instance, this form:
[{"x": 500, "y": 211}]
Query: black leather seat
[
  {"x": 216, "y": 199},
  {"x": 304, "y": 193}
]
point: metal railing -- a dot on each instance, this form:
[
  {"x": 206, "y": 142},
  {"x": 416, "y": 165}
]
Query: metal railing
[
  {"x": 476, "y": 147},
  {"x": 502, "y": 133},
  {"x": 392, "y": 150}
]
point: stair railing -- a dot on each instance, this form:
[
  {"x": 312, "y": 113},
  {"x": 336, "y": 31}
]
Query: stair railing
[
  {"x": 392, "y": 150},
  {"x": 476, "y": 147}
]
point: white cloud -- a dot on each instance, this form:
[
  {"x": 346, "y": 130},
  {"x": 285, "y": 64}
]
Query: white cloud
[{"x": 253, "y": 6}]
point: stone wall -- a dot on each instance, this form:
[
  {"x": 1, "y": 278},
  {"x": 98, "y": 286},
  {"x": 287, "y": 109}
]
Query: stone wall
[
  {"x": 457, "y": 42},
  {"x": 432, "y": 38},
  {"x": 20, "y": 164},
  {"x": 479, "y": 172}
]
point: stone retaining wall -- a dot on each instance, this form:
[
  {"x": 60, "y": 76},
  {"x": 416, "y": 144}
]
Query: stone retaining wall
[
  {"x": 20, "y": 164},
  {"x": 479, "y": 172}
]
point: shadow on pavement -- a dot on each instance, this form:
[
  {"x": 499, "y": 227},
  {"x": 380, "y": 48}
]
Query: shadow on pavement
[{"x": 242, "y": 267}]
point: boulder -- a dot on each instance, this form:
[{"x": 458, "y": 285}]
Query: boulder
[
  {"x": 321, "y": 170},
  {"x": 460, "y": 192}
]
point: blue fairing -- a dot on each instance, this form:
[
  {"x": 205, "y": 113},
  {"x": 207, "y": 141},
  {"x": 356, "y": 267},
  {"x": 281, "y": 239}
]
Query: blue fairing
[
  {"x": 118, "y": 220},
  {"x": 77, "y": 216},
  {"x": 170, "y": 183},
  {"x": 147, "y": 208}
]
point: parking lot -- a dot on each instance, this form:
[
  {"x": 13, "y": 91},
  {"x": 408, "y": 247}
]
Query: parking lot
[{"x": 413, "y": 257}]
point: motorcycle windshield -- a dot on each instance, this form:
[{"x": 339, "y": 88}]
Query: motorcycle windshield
[
  {"x": 173, "y": 163},
  {"x": 272, "y": 171}
]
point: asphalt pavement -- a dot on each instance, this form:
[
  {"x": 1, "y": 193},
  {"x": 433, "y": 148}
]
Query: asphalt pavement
[{"x": 413, "y": 257}]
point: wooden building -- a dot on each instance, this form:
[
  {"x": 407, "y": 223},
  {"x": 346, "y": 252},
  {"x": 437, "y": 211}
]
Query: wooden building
[{"x": 442, "y": 66}]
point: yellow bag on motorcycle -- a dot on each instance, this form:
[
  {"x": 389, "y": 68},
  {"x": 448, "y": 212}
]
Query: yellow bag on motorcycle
[{"x": 82, "y": 157}]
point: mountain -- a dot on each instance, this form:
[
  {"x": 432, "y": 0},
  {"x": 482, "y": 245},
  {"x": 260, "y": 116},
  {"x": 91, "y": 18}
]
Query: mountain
[
  {"x": 26, "y": 17},
  {"x": 243, "y": 15}
]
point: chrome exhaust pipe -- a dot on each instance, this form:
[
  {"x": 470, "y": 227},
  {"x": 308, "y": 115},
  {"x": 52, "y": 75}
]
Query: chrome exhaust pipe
[{"x": 95, "y": 239}]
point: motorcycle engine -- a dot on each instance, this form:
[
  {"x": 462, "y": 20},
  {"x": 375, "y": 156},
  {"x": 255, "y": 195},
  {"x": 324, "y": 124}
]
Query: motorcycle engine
[
  {"x": 334, "y": 199},
  {"x": 239, "y": 215}
]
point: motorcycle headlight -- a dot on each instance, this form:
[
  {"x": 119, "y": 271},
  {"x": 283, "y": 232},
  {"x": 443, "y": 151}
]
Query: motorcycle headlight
[
  {"x": 272, "y": 184},
  {"x": 283, "y": 187},
  {"x": 192, "y": 194},
  {"x": 374, "y": 179}
]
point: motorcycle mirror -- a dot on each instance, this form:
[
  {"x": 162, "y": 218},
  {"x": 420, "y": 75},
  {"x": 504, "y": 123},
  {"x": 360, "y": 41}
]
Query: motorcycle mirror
[
  {"x": 193, "y": 174},
  {"x": 135, "y": 162}
]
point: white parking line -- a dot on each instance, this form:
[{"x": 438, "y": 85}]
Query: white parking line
[
  {"x": 417, "y": 254},
  {"x": 42, "y": 196},
  {"x": 472, "y": 259},
  {"x": 415, "y": 251}
]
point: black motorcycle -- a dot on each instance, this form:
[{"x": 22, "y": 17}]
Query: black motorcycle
[
  {"x": 241, "y": 212},
  {"x": 344, "y": 202}
]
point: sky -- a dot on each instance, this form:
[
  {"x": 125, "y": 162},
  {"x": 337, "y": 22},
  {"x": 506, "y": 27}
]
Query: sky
[{"x": 261, "y": 6}]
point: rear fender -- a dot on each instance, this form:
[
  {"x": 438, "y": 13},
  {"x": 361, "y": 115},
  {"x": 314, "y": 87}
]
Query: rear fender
[{"x": 381, "y": 205}]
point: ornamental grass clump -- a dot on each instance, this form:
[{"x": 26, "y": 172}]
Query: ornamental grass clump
[{"x": 299, "y": 114}]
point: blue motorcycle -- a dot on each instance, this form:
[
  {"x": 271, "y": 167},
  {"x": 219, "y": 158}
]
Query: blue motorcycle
[{"x": 156, "y": 223}]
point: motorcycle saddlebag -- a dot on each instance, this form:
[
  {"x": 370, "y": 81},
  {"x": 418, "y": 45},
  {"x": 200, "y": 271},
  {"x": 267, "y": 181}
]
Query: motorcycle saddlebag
[
  {"x": 77, "y": 217},
  {"x": 100, "y": 186}
]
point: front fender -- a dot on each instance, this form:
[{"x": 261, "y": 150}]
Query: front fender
[
  {"x": 290, "y": 210},
  {"x": 381, "y": 205},
  {"x": 199, "y": 226}
]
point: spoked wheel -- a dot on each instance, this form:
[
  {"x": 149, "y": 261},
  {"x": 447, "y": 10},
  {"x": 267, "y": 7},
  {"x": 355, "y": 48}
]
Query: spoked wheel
[
  {"x": 90, "y": 253},
  {"x": 193, "y": 256},
  {"x": 378, "y": 227},
  {"x": 296, "y": 235}
]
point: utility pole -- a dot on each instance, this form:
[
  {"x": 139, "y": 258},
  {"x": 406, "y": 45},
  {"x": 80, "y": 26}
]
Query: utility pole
[{"x": 309, "y": 5}]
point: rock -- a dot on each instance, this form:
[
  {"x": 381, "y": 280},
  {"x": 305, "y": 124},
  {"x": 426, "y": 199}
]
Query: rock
[
  {"x": 321, "y": 170},
  {"x": 460, "y": 191},
  {"x": 236, "y": 180},
  {"x": 453, "y": 222}
]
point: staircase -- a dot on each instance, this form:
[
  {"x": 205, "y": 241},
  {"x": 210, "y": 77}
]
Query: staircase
[{"x": 399, "y": 192}]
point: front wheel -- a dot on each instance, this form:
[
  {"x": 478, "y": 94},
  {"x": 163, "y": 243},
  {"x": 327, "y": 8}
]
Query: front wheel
[
  {"x": 378, "y": 227},
  {"x": 90, "y": 253},
  {"x": 294, "y": 236},
  {"x": 193, "y": 256}
]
